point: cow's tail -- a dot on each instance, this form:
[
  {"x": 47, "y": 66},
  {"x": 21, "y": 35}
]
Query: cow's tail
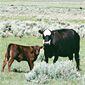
[{"x": 8, "y": 52}]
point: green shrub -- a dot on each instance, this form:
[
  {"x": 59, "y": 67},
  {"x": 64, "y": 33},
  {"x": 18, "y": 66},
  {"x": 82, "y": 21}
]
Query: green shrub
[{"x": 42, "y": 71}]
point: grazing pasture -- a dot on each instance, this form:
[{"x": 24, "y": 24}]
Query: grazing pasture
[{"x": 18, "y": 77}]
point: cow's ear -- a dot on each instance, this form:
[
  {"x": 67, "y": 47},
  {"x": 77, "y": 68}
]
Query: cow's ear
[{"x": 40, "y": 31}]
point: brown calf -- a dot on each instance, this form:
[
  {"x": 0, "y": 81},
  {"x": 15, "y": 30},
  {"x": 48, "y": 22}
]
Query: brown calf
[{"x": 20, "y": 53}]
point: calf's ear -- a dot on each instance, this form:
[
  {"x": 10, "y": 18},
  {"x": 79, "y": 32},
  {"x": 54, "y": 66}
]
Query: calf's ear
[{"x": 40, "y": 31}]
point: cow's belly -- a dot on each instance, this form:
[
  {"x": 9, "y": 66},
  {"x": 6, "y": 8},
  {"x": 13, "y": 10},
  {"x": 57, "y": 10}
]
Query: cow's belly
[{"x": 63, "y": 53}]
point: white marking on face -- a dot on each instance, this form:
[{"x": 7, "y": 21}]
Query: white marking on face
[{"x": 47, "y": 32}]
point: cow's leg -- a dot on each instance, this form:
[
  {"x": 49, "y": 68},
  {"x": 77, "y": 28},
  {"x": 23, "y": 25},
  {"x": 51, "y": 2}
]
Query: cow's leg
[
  {"x": 46, "y": 59},
  {"x": 55, "y": 59},
  {"x": 71, "y": 56},
  {"x": 10, "y": 63},
  {"x": 77, "y": 59}
]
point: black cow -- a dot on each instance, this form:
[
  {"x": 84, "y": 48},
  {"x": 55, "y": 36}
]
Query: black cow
[{"x": 62, "y": 42}]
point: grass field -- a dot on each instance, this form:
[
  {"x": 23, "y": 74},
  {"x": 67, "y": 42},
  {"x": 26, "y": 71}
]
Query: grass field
[{"x": 18, "y": 78}]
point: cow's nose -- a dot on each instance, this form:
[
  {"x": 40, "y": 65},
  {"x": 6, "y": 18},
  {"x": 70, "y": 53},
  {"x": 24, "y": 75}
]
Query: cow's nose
[{"x": 47, "y": 42}]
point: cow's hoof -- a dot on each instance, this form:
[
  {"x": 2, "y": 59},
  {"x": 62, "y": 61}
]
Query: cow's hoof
[{"x": 79, "y": 69}]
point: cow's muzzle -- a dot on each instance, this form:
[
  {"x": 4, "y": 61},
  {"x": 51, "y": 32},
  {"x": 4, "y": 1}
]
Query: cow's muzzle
[{"x": 47, "y": 42}]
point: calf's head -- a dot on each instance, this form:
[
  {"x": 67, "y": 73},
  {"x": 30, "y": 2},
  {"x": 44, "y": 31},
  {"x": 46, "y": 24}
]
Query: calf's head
[
  {"x": 46, "y": 36},
  {"x": 36, "y": 50}
]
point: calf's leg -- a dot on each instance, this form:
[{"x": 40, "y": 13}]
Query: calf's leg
[
  {"x": 31, "y": 64},
  {"x": 4, "y": 62},
  {"x": 10, "y": 63}
]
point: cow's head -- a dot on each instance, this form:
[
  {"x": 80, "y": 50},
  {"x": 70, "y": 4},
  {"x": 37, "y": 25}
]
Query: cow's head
[{"x": 46, "y": 36}]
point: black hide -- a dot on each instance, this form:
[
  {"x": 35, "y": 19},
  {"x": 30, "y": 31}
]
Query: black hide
[{"x": 65, "y": 43}]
